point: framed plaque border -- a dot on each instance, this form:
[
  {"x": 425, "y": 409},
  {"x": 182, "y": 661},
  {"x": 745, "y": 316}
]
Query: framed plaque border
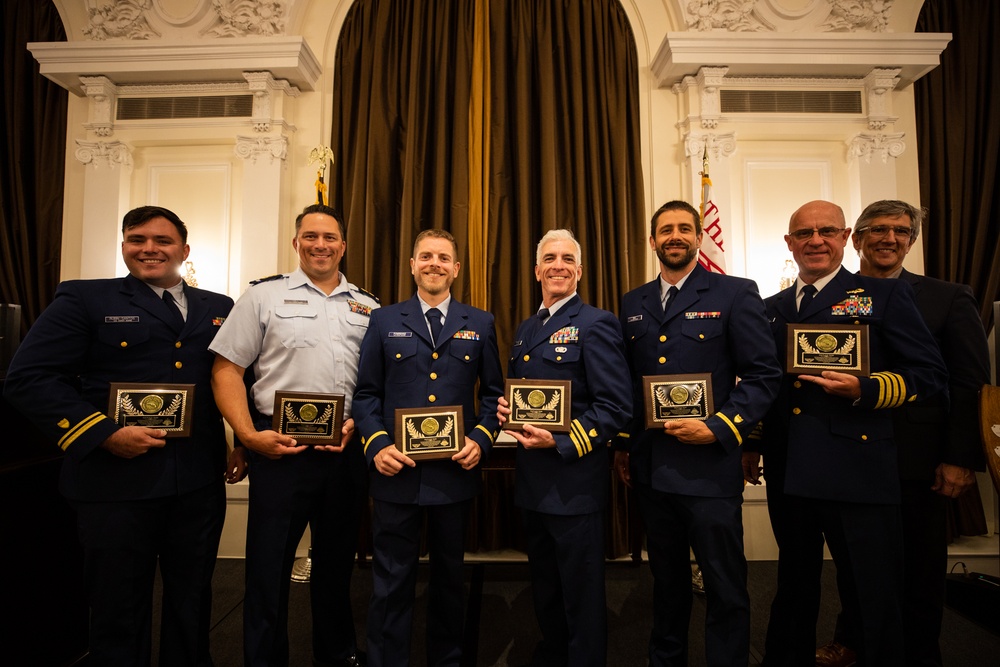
[
  {"x": 441, "y": 412},
  {"x": 649, "y": 398},
  {"x": 278, "y": 422},
  {"x": 793, "y": 367},
  {"x": 562, "y": 426},
  {"x": 116, "y": 389}
]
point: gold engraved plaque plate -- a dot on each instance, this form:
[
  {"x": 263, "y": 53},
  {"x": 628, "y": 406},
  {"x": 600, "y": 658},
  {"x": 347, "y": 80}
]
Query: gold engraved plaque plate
[
  {"x": 669, "y": 397},
  {"x": 430, "y": 433},
  {"x": 310, "y": 418},
  {"x": 814, "y": 348},
  {"x": 542, "y": 403},
  {"x": 165, "y": 406}
]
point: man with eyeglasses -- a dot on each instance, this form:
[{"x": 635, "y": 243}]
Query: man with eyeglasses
[
  {"x": 939, "y": 442},
  {"x": 828, "y": 447}
]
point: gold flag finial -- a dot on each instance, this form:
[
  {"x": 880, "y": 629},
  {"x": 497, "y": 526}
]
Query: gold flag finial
[{"x": 321, "y": 154}]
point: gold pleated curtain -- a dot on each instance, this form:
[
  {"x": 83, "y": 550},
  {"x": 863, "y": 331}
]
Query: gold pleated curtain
[{"x": 496, "y": 120}]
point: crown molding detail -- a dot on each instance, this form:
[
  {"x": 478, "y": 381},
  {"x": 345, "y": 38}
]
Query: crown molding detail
[
  {"x": 867, "y": 144},
  {"x": 772, "y": 16},
  {"x": 103, "y": 153},
  {"x": 877, "y": 84},
  {"x": 239, "y": 18},
  {"x": 265, "y": 88},
  {"x": 806, "y": 55},
  {"x": 251, "y": 148},
  {"x": 103, "y": 95},
  {"x": 180, "y": 61},
  {"x": 120, "y": 19},
  {"x": 718, "y": 145}
]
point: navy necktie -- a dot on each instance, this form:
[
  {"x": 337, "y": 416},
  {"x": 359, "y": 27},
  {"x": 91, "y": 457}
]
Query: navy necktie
[
  {"x": 671, "y": 293},
  {"x": 807, "y": 296},
  {"x": 434, "y": 318},
  {"x": 177, "y": 319}
]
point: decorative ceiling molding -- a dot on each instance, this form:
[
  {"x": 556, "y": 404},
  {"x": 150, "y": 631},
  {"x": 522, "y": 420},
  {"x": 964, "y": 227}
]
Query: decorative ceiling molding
[
  {"x": 773, "y": 16},
  {"x": 182, "y": 61},
  {"x": 810, "y": 55},
  {"x": 110, "y": 154}
]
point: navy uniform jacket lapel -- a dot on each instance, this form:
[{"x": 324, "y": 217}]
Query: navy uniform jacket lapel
[
  {"x": 413, "y": 318},
  {"x": 651, "y": 302},
  {"x": 834, "y": 292},
  {"x": 689, "y": 295},
  {"x": 562, "y": 318},
  {"x": 197, "y": 307},
  {"x": 142, "y": 296},
  {"x": 915, "y": 280},
  {"x": 458, "y": 316}
]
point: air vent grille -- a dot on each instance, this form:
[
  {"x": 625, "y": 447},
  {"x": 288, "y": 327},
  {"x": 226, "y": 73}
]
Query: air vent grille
[
  {"x": 212, "y": 106},
  {"x": 791, "y": 101}
]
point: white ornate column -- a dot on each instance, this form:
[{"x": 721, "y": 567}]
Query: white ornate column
[
  {"x": 263, "y": 179},
  {"x": 105, "y": 200},
  {"x": 872, "y": 153}
]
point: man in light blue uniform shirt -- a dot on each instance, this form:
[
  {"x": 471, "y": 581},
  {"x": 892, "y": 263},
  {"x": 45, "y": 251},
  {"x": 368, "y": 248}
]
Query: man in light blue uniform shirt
[{"x": 298, "y": 332}]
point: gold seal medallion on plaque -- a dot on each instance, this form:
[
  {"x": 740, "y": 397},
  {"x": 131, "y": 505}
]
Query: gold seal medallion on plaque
[
  {"x": 826, "y": 343},
  {"x": 536, "y": 398},
  {"x": 429, "y": 426},
  {"x": 679, "y": 394},
  {"x": 151, "y": 404},
  {"x": 308, "y": 412}
]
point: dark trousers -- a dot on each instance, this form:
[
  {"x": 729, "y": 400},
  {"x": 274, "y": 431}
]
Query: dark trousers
[
  {"x": 566, "y": 560},
  {"x": 865, "y": 542},
  {"x": 122, "y": 543},
  {"x": 324, "y": 490},
  {"x": 925, "y": 561},
  {"x": 396, "y": 541},
  {"x": 713, "y": 528}
]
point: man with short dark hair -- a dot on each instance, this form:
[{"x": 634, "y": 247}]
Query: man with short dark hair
[
  {"x": 143, "y": 500},
  {"x": 937, "y": 438},
  {"x": 298, "y": 332},
  {"x": 427, "y": 351},
  {"x": 829, "y": 454},
  {"x": 687, "y": 473}
]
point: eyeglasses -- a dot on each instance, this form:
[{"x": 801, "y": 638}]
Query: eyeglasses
[
  {"x": 825, "y": 232},
  {"x": 878, "y": 231}
]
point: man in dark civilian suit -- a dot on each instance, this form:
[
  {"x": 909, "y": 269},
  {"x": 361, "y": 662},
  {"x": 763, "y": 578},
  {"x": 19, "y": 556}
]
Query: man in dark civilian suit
[
  {"x": 142, "y": 499},
  {"x": 687, "y": 473},
  {"x": 829, "y": 454},
  {"x": 561, "y": 482},
  {"x": 938, "y": 441},
  {"x": 425, "y": 352}
]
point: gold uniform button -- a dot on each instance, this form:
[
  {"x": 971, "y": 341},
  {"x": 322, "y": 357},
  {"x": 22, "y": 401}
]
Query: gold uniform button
[
  {"x": 434, "y": 376},
  {"x": 662, "y": 360},
  {"x": 124, "y": 343},
  {"x": 432, "y": 398},
  {"x": 663, "y": 339},
  {"x": 559, "y": 358},
  {"x": 527, "y": 357},
  {"x": 701, "y": 336},
  {"x": 797, "y": 384},
  {"x": 177, "y": 344},
  {"x": 434, "y": 355},
  {"x": 857, "y": 321},
  {"x": 864, "y": 437},
  {"x": 466, "y": 357},
  {"x": 796, "y": 411},
  {"x": 399, "y": 356},
  {"x": 178, "y": 364}
]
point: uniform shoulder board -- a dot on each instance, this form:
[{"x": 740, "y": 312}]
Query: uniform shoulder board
[
  {"x": 369, "y": 294},
  {"x": 268, "y": 279}
]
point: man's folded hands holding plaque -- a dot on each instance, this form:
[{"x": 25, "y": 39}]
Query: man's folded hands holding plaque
[{"x": 529, "y": 435}]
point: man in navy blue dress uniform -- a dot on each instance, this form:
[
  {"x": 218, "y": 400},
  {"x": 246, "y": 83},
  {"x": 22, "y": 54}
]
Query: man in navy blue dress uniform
[
  {"x": 428, "y": 351},
  {"x": 938, "y": 439},
  {"x": 830, "y": 460},
  {"x": 687, "y": 473},
  {"x": 142, "y": 499},
  {"x": 561, "y": 482},
  {"x": 298, "y": 332}
]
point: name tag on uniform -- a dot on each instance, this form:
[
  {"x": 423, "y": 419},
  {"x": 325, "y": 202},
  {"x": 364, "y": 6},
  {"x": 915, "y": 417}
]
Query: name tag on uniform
[
  {"x": 297, "y": 302},
  {"x": 400, "y": 334},
  {"x": 108, "y": 319},
  {"x": 635, "y": 318}
]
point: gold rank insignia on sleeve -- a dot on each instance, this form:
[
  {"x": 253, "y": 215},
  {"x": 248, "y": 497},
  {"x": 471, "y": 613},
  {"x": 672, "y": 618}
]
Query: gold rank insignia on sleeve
[
  {"x": 63, "y": 423},
  {"x": 891, "y": 389}
]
